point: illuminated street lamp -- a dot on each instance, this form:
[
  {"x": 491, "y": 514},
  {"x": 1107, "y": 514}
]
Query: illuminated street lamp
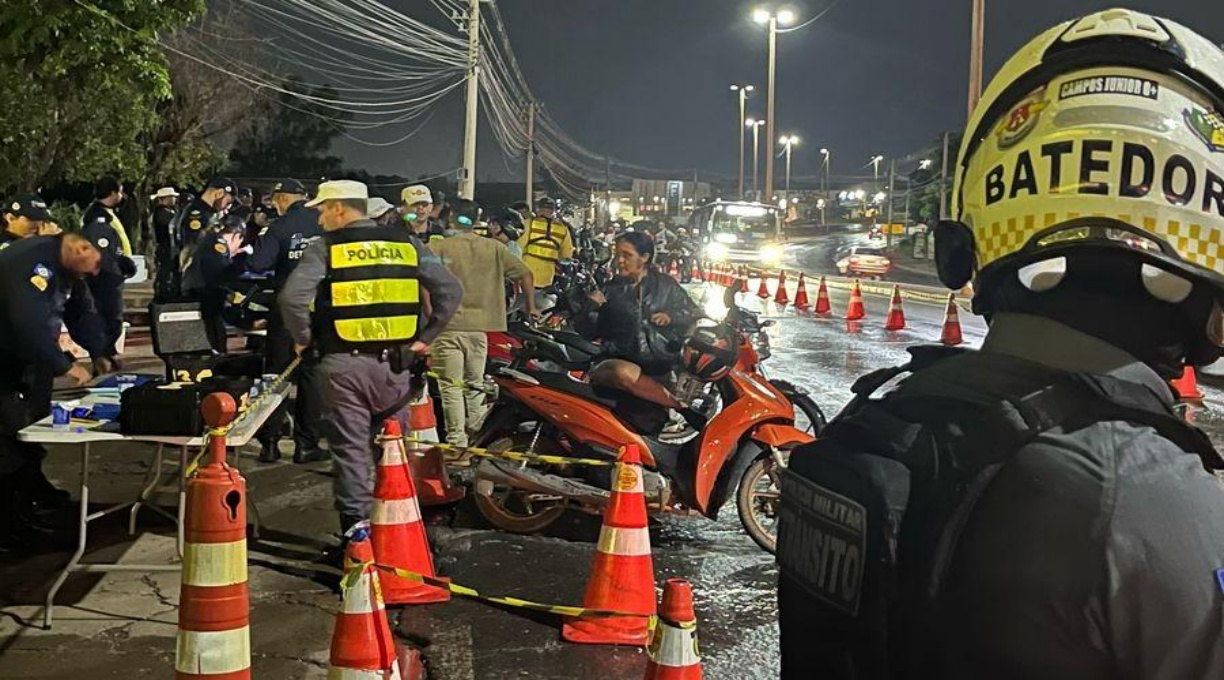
[
  {"x": 773, "y": 18},
  {"x": 744, "y": 90},
  {"x": 788, "y": 143},
  {"x": 756, "y": 152}
]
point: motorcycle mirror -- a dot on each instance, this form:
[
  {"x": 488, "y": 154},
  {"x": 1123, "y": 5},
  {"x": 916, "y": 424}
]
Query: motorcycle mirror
[{"x": 729, "y": 295}]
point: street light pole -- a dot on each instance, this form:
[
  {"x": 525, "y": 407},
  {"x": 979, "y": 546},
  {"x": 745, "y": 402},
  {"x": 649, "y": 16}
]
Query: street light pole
[
  {"x": 531, "y": 115},
  {"x": 467, "y": 184},
  {"x": 772, "y": 19},
  {"x": 977, "y": 38},
  {"x": 743, "y": 91},
  {"x": 788, "y": 143},
  {"x": 756, "y": 155}
]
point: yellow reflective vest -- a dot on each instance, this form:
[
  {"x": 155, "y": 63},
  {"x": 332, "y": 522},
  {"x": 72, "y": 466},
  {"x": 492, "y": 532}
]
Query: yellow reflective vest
[
  {"x": 370, "y": 298},
  {"x": 544, "y": 239}
]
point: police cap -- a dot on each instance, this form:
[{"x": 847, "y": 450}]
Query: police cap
[
  {"x": 289, "y": 186},
  {"x": 30, "y": 206}
]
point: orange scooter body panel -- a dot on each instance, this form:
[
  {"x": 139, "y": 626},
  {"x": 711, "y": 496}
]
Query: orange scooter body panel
[
  {"x": 586, "y": 421},
  {"x": 781, "y": 436},
  {"x": 758, "y": 402}
]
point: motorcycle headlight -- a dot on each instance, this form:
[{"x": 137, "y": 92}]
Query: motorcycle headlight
[
  {"x": 771, "y": 254},
  {"x": 717, "y": 251}
]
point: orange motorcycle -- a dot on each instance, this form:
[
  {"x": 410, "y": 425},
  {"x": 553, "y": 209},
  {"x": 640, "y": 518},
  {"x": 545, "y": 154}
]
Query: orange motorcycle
[{"x": 546, "y": 407}]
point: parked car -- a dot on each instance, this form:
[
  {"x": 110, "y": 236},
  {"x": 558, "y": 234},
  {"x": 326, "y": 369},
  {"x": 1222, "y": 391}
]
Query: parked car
[{"x": 864, "y": 261}]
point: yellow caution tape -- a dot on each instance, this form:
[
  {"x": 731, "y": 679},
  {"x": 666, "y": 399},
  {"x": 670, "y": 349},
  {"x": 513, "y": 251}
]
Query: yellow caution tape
[
  {"x": 513, "y": 455},
  {"x": 464, "y": 591},
  {"x": 250, "y": 406}
]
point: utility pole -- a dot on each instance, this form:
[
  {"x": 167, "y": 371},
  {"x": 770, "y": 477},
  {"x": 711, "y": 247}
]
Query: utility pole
[
  {"x": 531, "y": 114},
  {"x": 943, "y": 180},
  {"x": 769, "y": 109},
  {"x": 608, "y": 187},
  {"x": 742, "y": 91},
  {"x": 892, "y": 173},
  {"x": 467, "y": 184},
  {"x": 977, "y": 38}
]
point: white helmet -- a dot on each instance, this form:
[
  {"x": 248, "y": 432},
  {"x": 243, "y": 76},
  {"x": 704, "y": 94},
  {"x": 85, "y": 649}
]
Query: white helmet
[{"x": 1106, "y": 133}]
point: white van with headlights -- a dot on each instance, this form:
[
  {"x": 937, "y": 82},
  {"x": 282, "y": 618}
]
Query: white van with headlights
[{"x": 739, "y": 232}]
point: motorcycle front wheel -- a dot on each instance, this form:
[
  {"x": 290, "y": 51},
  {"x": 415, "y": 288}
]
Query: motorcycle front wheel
[
  {"x": 516, "y": 510},
  {"x": 758, "y": 498}
]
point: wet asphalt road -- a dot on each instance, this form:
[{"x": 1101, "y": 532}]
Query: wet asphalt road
[{"x": 293, "y": 598}]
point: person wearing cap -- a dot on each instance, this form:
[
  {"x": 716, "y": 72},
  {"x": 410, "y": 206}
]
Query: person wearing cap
[
  {"x": 202, "y": 213},
  {"x": 382, "y": 212},
  {"x": 417, "y": 206},
  {"x": 215, "y": 264},
  {"x": 279, "y": 250},
  {"x": 168, "y": 280},
  {"x": 26, "y": 216},
  {"x": 355, "y": 298},
  {"x": 482, "y": 265},
  {"x": 546, "y": 241},
  {"x": 102, "y": 227},
  {"x": 37, "y": 275},
  {"x": 1040, "y": 509}
]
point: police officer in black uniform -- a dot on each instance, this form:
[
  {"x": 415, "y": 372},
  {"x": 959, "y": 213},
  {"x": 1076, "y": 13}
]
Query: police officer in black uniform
[
  {"x": 1038, "y": 510},
  {"x": 102, "y": 227},
  {"x": 36, "y": 278},
  {"x": 203, "y": 213},
  {"x": 217, "y": 262},
  {"x": 279, "y": 250},
  {"x": 168, "y": 283}
]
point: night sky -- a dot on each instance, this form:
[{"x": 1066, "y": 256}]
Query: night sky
[{"x": 647, "y": 80}]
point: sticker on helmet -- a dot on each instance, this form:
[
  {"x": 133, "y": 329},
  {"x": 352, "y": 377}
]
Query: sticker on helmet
[
  {"x": 1022, "y": 119},
  {"x": 1125, "y": 85},
  {"x": 1207, "y": 126},
  {"x": 102, "y": 243}
]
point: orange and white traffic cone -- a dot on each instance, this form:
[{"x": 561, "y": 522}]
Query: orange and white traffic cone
[
  {"x": 673, "y": 653},
  {"x": 823, "y": 306},
  {"x": 622, "y": 574},
  {"x": 362, "y": 646},
  {"x": 674, "y": 270},
  {"x": 695, "y": 273},
  {"x": 743, "y": 277},
  {"x": 396, "y": 529},
  {"x": 763, "y": 289},
  {"x": 855, "y": 310},
  {"x": 1186, "y": 386},
  {"x": 781, "y": 297},
  {"x": 951, "y": 334},
  {"x": 896, "y": 314},
  {"x": 214, "y": 632},
  {"x": 801, "y": 294},
  {"x": 428, "y": 467}
]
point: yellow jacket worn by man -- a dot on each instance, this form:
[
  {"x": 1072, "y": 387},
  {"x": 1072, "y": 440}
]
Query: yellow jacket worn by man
[{"x": 545, "y": 242}]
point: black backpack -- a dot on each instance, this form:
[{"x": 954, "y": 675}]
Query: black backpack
[{"x": 872, "y": 511}]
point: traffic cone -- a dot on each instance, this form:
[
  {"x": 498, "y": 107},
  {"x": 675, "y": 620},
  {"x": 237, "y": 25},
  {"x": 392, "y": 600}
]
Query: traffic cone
[
  {"x": 214, "y": 633},
  {"x": 781, "y": 297},
  {"x": 763, "y": 289},
  {"x": 622, "y": 574},
  {"x": 1186, "y": 386},
  {"x": 856, "y": 311},
  {"x": 395, "y": 525},
  {"x": 362, "y": 645},
  {"x": 801, "y": 294},
  {"x": 428, "y": 467},
  {"x": 743, "y": 277},
  {"x": 695, "y": 273},
  {"x": 674, "y": 271},
  {"x": 896, "y": 315},
  {"x": 673, "y": 653},
  {"x": 823, "y": 306},
  {"x": 951, "y": 335}
]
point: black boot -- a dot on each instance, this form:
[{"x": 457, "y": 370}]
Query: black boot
[
  {"x": 270, "y": 451},
  {"x": 303, "y": 454}
]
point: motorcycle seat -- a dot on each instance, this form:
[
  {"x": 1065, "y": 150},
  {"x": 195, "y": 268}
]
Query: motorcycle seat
[{"x": 564, "y": 383}]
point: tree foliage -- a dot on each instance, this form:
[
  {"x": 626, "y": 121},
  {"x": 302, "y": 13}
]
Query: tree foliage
[
  {"x": 290, "y": 139},
  {"x": 83, "y": 81}
]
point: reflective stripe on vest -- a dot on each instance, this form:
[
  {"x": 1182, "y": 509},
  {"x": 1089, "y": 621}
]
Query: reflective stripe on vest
[
  {"x": 371, "y": 296},
  {"x": 541, "y": 243}
]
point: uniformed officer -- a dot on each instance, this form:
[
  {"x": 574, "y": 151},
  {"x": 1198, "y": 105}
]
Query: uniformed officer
[
  {"x": 546, "y": 241},
  {"x": 203, "y": 212},
  {"x": 36, "y": 276},
  {"x": 168, "y": 281},
  {"x": 364, "y": 283},
  {"x": 1038, "y": 509},
  {"x": 279, "y": 250},
  {"x": 104, "y": 230},
  {"x": 417, "y": 208},
  {"x": 26, "y": 216},
  {"x": 215, "y": 264}
]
